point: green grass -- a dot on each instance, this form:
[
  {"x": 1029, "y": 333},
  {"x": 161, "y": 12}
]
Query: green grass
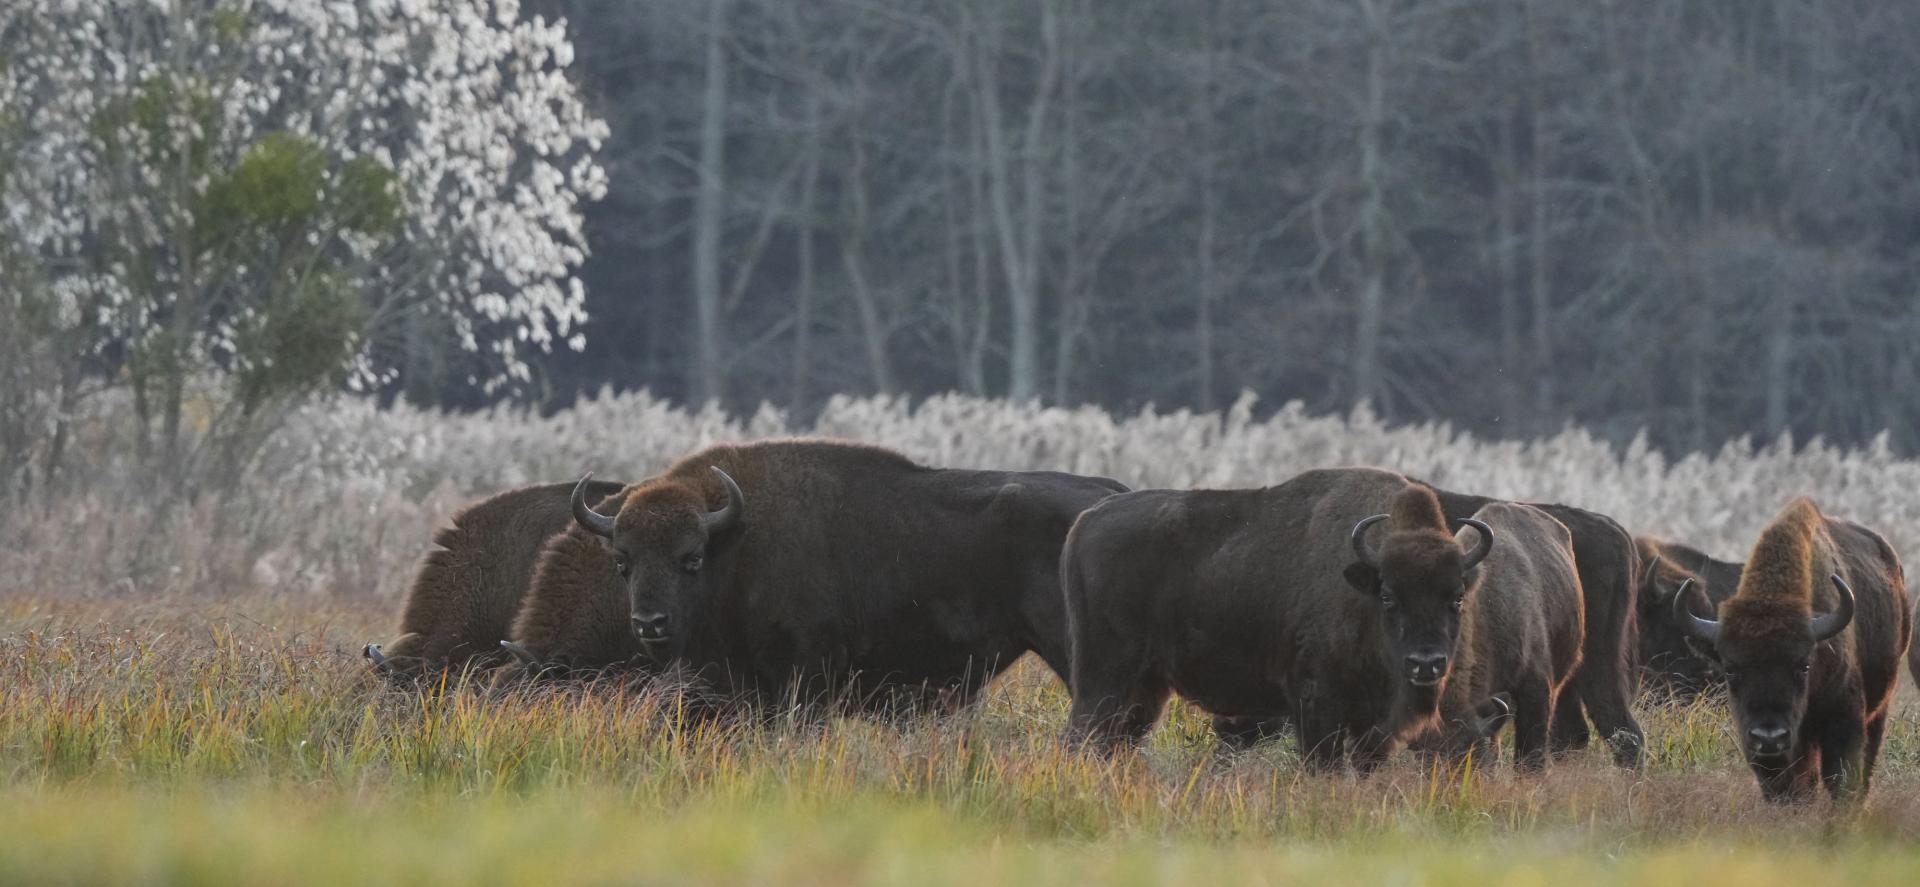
[{"x": 189, "y": 740}]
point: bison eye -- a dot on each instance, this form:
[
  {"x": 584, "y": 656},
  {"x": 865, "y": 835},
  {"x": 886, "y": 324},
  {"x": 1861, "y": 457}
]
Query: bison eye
[
  {"x": 1804, "y": 668},
  {"x": 691, "y": 563},
  {"x": 621, "y": 566},
  {"x": 1459, "y": 603},
  {"x": 1386, "y": 597}
]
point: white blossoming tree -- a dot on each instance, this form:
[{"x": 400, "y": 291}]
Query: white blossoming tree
[{"x": 225, "y": 205}]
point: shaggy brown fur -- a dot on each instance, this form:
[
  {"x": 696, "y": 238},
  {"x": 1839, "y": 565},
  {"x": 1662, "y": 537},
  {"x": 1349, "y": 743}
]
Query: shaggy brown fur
[
  {"x": 468, "y": 588},
  {"x": 1828, "y": 699},
  {"x": 853, "y": 573},
  {"x": 1520, "y": 634},
  {"x": 1670, "y": 665},
  {"x": 1239, "y": 601},
  {"x": 1603, "y": 685}
]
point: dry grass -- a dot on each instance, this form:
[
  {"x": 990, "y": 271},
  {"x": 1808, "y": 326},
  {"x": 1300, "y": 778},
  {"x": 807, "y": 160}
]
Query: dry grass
[
  {"x": 190, "y": 739},
  {"x": 181, "y": 698}
]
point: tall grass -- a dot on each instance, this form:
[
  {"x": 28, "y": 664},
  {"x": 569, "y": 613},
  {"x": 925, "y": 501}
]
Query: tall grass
[
  {"x": 340, "y": 501},
  {"x": 181, "y": 698}
]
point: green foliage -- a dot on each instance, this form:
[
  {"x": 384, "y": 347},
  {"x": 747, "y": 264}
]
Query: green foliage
[
  {"x": 279, "y": 184},
  {"x": 300, "y": 341}
]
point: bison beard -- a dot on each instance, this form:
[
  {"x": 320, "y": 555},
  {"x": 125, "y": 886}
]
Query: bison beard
[
  {"x": 816, "y": 571},
  {"x": 1811, "y": 644},
  {"x": 1239, "y": 600},
  {"x": 469, "y": 587}
]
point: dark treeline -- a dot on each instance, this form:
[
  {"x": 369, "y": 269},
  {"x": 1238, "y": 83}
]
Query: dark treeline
[{"x": 1698, "y": 218}]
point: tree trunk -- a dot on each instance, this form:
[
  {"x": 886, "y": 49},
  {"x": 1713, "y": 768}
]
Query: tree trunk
[
  {"x": 1205, "y": 292},
  {"x": 1539, "y": 249},
  {"x": 803, "y": 288},
  {"x": 1363, "y": 370},
  {"x": 708, "y": 209}
]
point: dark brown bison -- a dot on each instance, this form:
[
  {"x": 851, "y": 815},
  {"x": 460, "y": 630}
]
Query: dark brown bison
[
  {"x": 1240, "y": 601},
  {"x": 1521, "y": 625},
  {"x": 815, "y": 570},
  {"x": 1670, "y": 667},
  {"x": 1811, "y": 645},
  {"x": 1603, "y": 685},
  {"x": 469, "y": 587}
]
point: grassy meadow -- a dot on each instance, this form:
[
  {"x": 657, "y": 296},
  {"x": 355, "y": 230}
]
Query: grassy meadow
[{"x": 182, "y": 699}]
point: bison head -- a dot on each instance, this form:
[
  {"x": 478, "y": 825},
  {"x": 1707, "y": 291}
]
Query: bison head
[
  {"x": 1766, "y": 648},
  {"x": 1673, "y": 661},
  {"x": 660, "y": 541},
  {"x": 1420, "y": 577}
]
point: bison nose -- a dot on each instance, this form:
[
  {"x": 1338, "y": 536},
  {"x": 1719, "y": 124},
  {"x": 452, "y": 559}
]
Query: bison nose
[
  {"x": 651, "y": 626},
  {"x": 1427, "y": 668},
  {"x": 1767, "y": 740}
]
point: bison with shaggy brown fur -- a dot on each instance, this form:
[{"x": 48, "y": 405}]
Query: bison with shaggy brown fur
[
  {"x": 814, "y": 570},
  {"x": 468, "y": 588},
  {"x": 1239, "y": 600},
  {"x": 1811, "y": 646},
  {"x": 1670, "y": 666},
  {"x": 1603, "y": 685},
  {"x": 1521, "y": 625}
]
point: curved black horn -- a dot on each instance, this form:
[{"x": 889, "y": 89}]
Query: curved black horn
[
  {"x": 729, "y": 514},
  {"x": 594, "y": 522},
  {"x": 1650, "y": 583},
  {"x": 1827, "y": 625},
  {"x": 1479, "y": 552},
  {"x": 1359, "y": 538},
  {"x": 1707, "y": 630},
  {"x": 379, "y": 660},
  {"x": 1492, "y": 714}
]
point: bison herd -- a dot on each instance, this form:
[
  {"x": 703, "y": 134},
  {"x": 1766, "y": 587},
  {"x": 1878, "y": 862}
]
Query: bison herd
[{"x": 1360, "y": 610}]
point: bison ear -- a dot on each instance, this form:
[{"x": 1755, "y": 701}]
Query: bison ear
[{"x": 1363, "y": 577}]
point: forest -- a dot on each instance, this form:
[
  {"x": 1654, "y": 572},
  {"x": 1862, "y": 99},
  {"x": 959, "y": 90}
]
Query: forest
[{"x": 1696, "y": 219}]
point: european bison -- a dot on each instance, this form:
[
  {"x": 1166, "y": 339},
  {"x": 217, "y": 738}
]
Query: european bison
[
  {"x": 1603, "y": 684},
  {"x": 816, "y": 570},
  {"x": 1239, "y": 600},
  {"x": 1520, "y": 631},
  {"x": 469, "y": 587},
  {"x": 1669, "y": 663},
  {"x": 1808, "y": 695}
]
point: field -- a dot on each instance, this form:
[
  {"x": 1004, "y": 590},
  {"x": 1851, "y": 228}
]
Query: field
[{"x": 181, "y": 698}]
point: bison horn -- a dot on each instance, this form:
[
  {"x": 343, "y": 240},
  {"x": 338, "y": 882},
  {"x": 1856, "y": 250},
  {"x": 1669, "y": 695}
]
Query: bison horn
[
  {"x": 592, "y": 521},
  {"x": 717, "y": 522},
  {"x": 1707, "y": 630},
  {"x": 1479, "y": 552},
  {"x": 379, "y": 660},
  {"x": 520, "y": 653},
  {"x": 1493, "y": 714},
  {"x": 1359, "y": 538},
  {"x": 1827, "y": 625}
]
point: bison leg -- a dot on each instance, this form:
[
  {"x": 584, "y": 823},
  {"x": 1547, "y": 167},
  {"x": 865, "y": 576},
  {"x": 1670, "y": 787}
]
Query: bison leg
[
  {"x": 1107, "y": 717},
  {"x": 1876, "y": 732},
  {"x": 1842, "y": 742},
  {"x": 1321, "y": 736},
  {"x": 1245, "y": 731},
  {"x": 1533, "y": 713},
  {"x": 1569, "y": 725},
  {"x": 1604, "y": 693}
]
